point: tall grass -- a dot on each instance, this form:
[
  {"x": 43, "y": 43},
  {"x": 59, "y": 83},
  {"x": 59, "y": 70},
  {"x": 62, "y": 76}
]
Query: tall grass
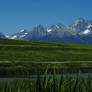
[{"x": 49, "y": 84}]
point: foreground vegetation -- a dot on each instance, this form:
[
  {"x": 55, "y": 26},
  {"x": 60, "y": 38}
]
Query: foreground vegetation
[{"x": 49, "y": 84}]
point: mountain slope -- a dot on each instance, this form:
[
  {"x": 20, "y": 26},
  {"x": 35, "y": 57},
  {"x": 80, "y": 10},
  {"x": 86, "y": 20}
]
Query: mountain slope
[
  {"x": 19, "y": 35},
  {"x": 78, "y": 32},
  {"x": 2, "y": 35},
  {"x": 38, "y": 33}
]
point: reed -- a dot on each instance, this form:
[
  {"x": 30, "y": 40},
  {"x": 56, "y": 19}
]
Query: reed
[{"x": 49, "y": 84}]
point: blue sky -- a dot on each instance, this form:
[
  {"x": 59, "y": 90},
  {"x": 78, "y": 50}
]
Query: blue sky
[{"x": 18, "y": 14}]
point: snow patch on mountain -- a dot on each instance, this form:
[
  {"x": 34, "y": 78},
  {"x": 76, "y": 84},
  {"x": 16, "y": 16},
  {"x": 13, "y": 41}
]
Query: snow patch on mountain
[
  {"x": 23, "y": 35},
  {"x": 86, "y": 31},
  {"x": 26, "y": 33},
  {"x": 57, "y": 26},
  {"x": 89, "y": 26},
  {"x": 13, "y": 37},
  {"x": 7, "y": 36},
  {"x": 23, "y": 30},
  {"x": 49, "y": 30}
]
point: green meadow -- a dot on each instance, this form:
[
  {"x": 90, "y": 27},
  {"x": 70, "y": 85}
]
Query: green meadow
[{"x": 18, "y": 56}]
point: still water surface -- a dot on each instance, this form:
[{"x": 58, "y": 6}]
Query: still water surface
[{"x": 34, "y": 77}]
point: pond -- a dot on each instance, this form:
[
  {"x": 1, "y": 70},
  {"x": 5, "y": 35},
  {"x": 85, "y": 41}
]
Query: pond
[{"x": 34, "y": 77}]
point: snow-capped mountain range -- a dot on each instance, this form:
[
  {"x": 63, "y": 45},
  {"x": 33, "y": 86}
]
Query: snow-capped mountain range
[
  {"x": 78, "y": 32},
  {"x": 19, "y": 35}
]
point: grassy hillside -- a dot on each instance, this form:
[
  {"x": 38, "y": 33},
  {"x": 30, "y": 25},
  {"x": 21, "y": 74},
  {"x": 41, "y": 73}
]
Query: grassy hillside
[
  {"x": 31, "y": 51},
  {"x": 20, "y": 57}
]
